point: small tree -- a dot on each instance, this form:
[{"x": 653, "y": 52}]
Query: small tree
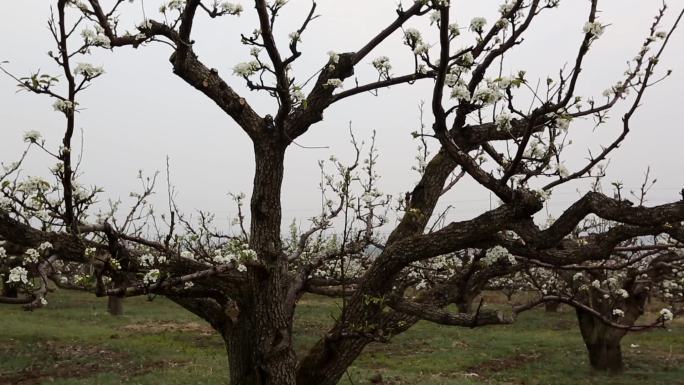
[
  {"x": 247, "y": 285},
  {"x": 609, "y": 296}
]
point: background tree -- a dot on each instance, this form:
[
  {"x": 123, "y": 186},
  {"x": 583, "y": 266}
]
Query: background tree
[{"x": 247, "y": 285}]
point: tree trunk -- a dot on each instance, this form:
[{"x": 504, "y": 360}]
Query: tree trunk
[
  {"x": 275, "y": 361},
  {"x": 115, "y": 305},
  {"x": 9, "y": 291},
  {"x": 551, "y": 307},
  {"x": 602, "y": 342},
  {"x": 605, "y": 354},
  {"x": 240, "y": 342},
  {"x": 465, "y": 306}
]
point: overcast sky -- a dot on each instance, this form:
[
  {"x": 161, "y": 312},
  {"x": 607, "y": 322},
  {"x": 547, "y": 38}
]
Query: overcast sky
[{"x": 139, "y": 112}]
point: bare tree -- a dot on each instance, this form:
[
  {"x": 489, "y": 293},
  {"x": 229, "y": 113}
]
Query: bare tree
[{"x": 247, "y": 286}]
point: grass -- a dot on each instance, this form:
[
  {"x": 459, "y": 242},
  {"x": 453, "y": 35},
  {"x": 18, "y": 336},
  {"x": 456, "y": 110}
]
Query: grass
[{"x": 74, "y": 341}]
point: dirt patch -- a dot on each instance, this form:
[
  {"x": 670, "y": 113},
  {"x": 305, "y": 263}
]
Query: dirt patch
[
  {"x": 495, "y": 365},
  {"x": 53, "y": 360},
  {"x": 165, "y": 327}
]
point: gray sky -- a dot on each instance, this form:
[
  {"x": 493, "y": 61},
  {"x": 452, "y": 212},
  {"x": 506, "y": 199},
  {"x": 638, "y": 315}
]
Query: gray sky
[{"x": 139, "y": 112}]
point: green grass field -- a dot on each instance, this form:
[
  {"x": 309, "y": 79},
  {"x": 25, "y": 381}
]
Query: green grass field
[{"x": 74, "y": 341}]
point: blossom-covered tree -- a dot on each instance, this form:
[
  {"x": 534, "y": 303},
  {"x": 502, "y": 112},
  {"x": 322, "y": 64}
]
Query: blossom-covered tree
[
  {"x": 609, "y": 296},
  {"x": 247, "y": 285}
]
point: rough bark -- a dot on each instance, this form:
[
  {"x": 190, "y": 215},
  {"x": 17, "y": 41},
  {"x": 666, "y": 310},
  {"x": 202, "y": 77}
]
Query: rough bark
[
  {"x": 602, "y": 342},
  {"x": 239, "y": 338},
  {"x": 275, "y": 359},
  {"x": 115, "y": 305}
]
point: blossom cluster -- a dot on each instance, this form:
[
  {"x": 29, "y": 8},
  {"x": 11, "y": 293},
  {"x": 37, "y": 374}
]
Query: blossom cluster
[
  {"x": 96, "y": 38},
  {"x": 88, "y": 70},
  {"x": 497, "y": 253}
]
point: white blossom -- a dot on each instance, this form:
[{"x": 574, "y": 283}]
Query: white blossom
[
  {"x": 295, "y": 36},
  {"x": 146, "y": 260},
  {"x": 334, "y": 57},
  {"x": 382, "y": 64},
  {"x": 32, "y": 136},
  {"x": 595, "y": 28},
  {"x": 231, "y": 9},
  {"x": 78, "y": 4},
  {"x": 496, "y": 253},
  {"x": 187, "y": 254},
  {"x": 45, "y": 246},
  {"x": 334, "y": 83},
  {"x": 3, "y": 253},
  {"x": 177, "y": 5},
  {"x": 421, "y": 48},
  {"x": 95, "y": 38},
  {"x": 188, "y": 285},
  {"x": 454, "y": 29},
  {"x": 467, "y": 59},
  {"x": 241, "y": 268},
  {"x": 297, "y": 94},
  {"x": 63, "y": 105},
  {"x": 151, "y": 277},
  {"x": 247, "y": 68},
  {"x": 503, "y": 121},
  {"x": 506, "y": 7},
  {"x": 32, "y": 256},
  {"x": 666, "y": 314},
  {"x": 222, "y": 258},
  {"x": 618, "y": 313},
  {"x": 18, "y": 274},
  {"x": 543, "y": 194},
  {"x": 563, "y": 123},
  {"x": 477, "y": 24},
  {"x": 88, "y": 70},
  {"x": 504, "y": 81},
  {"x": 562, "y": 171},
  {"x": 412, "y": 34},
  {"x": 487, "y": 95},
  {"x": 460, "y": 92},
  {"x": 623, "y": 293}
]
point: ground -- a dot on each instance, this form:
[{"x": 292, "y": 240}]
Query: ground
[{"x": 74, "y": 341}]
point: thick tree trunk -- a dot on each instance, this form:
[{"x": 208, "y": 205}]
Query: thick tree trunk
[
  {"x": 240, "y": 340},
  {"x": 275, "y": 361},
  {"x": 606, "y": 355},
  {"x": 115, "y": 305},
  {"x": 602, "y": 342}
]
